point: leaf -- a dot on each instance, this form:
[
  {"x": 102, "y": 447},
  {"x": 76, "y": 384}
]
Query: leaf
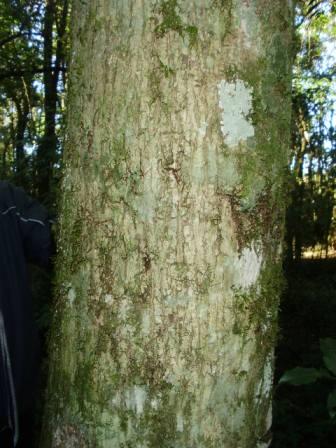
[
  {"x": 299, "y": 376},
  {"x": 328, "y": 348},
  {"x": 331, "y": 403},
  {"x": 324, "y": 373}
]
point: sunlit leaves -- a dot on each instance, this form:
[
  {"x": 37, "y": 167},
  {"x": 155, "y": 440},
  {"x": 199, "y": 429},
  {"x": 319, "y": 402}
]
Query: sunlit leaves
[{"x": 310, "y": 217}]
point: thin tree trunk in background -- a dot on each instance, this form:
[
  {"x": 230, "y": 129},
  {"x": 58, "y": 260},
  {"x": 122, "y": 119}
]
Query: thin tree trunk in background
[
  {"x": 169, "y": 269},
  {"x": 22, "y": 109},
  {"x": 47, "y": 145},
  {"x": 4, "y": 157},
  {"x": 47, "y": 150},
  {"x": 300, "y": 190},
  {"x": 61, "y": 24}
]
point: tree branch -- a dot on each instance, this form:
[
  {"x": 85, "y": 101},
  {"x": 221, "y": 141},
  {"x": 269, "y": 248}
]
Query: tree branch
[
  {"x": 15, "y": 73},
  {"x": 8, "y": 39}
]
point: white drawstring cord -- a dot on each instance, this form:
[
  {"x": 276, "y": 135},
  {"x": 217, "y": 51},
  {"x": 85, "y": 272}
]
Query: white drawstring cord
[{"x": 7, "y": 366}]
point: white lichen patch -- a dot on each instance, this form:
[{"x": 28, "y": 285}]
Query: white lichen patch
[
  {"x": 179, "y": 422},
  {"x": 250, "y": 38},
  {"x": 124, "y": 308},
  {"x": 135, "y": 399},
  {"x": 264, "y": 388},
  {"x": 247, "y": 267},
  {"x": 146, "y": 323},
  {"x": 155, "y": 404},
  {"x": 235, "y": 101},
  {"x": 67, "y": 436},
  {"x": 249, "y": 34},
  {"x": 202, "y": 129},
  {"x": 71, "y": 296},
  {"x": 108, "y": 299}
]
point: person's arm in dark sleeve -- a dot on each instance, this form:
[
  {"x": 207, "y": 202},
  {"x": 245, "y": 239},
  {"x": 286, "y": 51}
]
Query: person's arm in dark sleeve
[{"x": 34, "y": 226}]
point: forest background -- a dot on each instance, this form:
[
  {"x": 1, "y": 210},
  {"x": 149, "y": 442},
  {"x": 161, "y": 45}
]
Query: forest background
[{"x": 34, "y": 44}]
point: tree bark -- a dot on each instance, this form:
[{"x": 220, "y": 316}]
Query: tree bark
[{"x": 169, "y": 266}]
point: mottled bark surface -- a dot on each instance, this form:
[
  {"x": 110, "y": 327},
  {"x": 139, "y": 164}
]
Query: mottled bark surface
[{"x": 172, "y": 217}]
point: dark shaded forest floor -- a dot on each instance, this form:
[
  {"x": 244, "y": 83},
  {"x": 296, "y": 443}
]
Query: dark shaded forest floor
[{"x": 308, "y": 313}]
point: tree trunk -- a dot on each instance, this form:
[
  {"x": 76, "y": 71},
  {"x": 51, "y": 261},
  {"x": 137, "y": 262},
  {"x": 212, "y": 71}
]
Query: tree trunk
[
  {"x": 52, "y": 62},
  {"x": 169, "y": 265},
  {"x": 47, "y": 146},
  {"x": 22, "y": 110}
]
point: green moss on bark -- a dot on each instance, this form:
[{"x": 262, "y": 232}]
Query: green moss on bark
[
  {"x": 145, "y": 349},
  {"x": 169, "y": 10}
]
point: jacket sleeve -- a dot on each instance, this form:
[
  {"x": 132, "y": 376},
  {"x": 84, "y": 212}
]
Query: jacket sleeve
[{"x": 34, "y": 227}]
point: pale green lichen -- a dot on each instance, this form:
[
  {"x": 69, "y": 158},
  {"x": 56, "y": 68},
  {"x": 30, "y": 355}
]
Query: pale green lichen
[{"x": 235, "y": 101}]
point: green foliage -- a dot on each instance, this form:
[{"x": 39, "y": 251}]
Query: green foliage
[
  {"x": 331, "y": 403},
  {"x": 33, "y": 43},
  {"x": 310, "y": 216},
  {"x": 328, "y": 348},
  {"x": 32, "y": 89},
  {"x": 302, "y": 415},
  {"x": 301, "y": 376}
]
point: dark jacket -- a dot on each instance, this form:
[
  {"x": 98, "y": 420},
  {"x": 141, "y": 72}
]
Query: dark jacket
[{"x": 24, "y": 236}]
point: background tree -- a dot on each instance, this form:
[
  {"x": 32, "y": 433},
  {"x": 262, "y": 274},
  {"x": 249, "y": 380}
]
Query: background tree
[
  {"x": 32, "y": 58},
  {"x": 33, "y": 47},
  {"x": 303, "y": 416},
  {"x": 310, "y": 216},
  {"x": 16, "y": 87},
  {"x": 54, "y": 33},
  {"x": 172, "y": 215}
]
